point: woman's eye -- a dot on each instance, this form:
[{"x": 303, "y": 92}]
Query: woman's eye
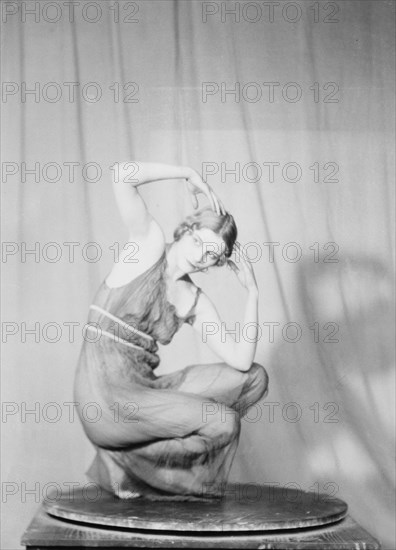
[{"x": 196, "y": 241}]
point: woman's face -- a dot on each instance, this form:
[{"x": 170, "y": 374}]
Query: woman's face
[{"x": 200, "y": 249}]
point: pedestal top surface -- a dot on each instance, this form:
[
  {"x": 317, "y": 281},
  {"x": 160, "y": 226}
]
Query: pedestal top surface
[{"x": 248, "y": 507}]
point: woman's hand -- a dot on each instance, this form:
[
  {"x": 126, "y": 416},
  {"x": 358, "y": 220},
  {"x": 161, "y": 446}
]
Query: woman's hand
[
  {"x": 196, "y": 185},
  {"x": 244, "y": 270}
]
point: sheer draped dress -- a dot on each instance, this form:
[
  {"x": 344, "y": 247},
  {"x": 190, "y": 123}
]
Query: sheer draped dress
[{"x": 160, "y": 437}]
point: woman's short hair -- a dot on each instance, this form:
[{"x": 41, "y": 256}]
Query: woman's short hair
[{"x": 221, "y": 224}]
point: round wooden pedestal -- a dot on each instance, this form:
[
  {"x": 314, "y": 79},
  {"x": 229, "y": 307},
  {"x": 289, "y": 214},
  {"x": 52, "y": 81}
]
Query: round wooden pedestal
[{"x": 244, "y": 507}]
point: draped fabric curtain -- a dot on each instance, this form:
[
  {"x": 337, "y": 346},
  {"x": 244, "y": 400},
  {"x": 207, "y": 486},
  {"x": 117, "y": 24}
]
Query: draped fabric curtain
[{"x": 287, "y": 110}]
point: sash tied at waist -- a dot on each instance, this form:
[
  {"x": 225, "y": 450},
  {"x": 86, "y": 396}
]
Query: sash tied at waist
[{"x": 121, "y": 332}]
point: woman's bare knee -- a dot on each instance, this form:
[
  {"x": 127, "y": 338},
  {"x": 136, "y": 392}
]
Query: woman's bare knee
[{"x": 222, "y": 424}]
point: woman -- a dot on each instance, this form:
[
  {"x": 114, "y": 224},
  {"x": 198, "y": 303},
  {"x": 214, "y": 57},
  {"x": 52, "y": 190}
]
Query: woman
[{"x": 171, "y": 436}]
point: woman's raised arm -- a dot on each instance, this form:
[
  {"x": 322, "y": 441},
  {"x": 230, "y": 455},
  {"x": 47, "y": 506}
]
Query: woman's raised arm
[
  {"x": 127, "y": 176},
  {"x": 138, "y": 173}
]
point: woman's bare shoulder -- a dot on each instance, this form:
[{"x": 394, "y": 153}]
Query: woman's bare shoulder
[{"x": 137, "y": 255}]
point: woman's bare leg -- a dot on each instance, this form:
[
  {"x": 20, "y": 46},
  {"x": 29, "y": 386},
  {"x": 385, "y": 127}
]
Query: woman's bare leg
[
  {"x": 182, "y": 440},
  {"x": 172, "y": 445}
]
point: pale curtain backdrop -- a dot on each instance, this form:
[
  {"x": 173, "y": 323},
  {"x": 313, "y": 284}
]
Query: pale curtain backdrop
[{"x": 339, "y": 431}]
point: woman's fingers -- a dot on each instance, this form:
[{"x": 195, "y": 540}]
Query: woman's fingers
[
  {"x": 244, "y": 261},
  {"x": 212, "y": 200},
  {"x": 216, "y": 201},
  {"x": 238, "y": 249},
  {"x": 193, "y": 194},
  {"x": 220, "y": 210},
  {"x": 197, "y": 185},
  {"x": 232, "y": 266}
]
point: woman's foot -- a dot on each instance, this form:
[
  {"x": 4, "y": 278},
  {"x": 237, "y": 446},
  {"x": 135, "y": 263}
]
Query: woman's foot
[{"x": 125, "y": 494}]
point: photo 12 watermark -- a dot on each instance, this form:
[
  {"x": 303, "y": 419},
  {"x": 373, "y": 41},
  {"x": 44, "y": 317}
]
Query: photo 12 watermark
[
  {"x": 70, "y": 171},
  {"x": 52, "y": 412},
  {"x": 54, "y": 491},
  {"x": 53, "y": 252},
  {"x": 68, "y": 92},
  {"x": 271, "y": 491},
  {"x": 71, "y": 491},
  {"x": 262, "y": 172},
  {"x": 270, "y": 412},
  {"x": 246, "y": 12},
  {"x": 31, "y": 11},
  {"x": 269, "y": 92},
  {"x": 271, "y": 332},
  {"x": 270, "y": 172}
]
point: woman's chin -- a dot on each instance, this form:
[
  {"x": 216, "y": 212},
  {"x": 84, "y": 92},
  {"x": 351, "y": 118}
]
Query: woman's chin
[
  {"x": 193, "y": 269},
  {"x": 187, "y": 267}
]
